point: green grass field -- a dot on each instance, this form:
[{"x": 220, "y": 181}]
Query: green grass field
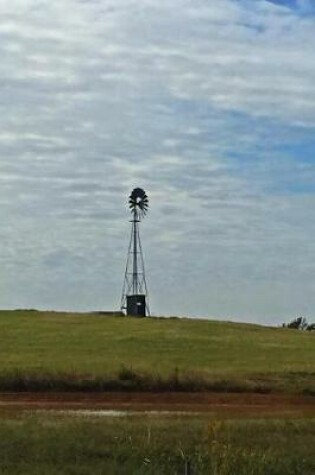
[
  {"x": 58, "y": 445},
  {"x": 55, "y": 351},
  {"x": 105, "y": 351}
]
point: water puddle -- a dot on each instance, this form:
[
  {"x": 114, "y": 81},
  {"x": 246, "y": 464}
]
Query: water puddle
[{"x": 115, "y": 413}]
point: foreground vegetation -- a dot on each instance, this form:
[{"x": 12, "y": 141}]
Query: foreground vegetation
[
  {"x": 59, "y": 351},
  {"x": 51, "y": 445}
]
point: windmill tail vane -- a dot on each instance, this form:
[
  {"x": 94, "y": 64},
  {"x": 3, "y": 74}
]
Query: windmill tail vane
[{"x": 135, "y": 293}]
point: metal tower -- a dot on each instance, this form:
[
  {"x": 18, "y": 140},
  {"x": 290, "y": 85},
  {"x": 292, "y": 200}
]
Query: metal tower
[{"x": 135, "y": 292}]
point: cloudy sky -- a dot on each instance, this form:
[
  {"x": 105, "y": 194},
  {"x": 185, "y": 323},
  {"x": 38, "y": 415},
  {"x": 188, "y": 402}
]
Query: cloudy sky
[{"x": 209, "y": 105}]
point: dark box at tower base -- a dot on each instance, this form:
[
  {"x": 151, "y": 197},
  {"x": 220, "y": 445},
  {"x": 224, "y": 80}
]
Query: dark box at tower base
[{"x": 136, "y": 305}]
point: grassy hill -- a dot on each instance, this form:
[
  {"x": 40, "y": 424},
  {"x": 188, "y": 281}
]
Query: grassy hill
[{"x": 67, "y": 351}]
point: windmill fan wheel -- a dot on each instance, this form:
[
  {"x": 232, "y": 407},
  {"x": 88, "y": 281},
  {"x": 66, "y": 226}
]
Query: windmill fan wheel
[{"x": 138, "y": 202}]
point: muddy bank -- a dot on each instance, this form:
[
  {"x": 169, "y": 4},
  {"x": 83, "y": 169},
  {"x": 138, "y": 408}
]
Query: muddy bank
[{"x": 225, "y": 403}]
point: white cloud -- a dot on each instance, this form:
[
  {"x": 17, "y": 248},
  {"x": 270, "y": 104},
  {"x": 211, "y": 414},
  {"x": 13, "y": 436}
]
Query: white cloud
[{"x": 194, "y": 102}]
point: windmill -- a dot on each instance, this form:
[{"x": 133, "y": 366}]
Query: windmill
[{"x": 134, "y": 293}]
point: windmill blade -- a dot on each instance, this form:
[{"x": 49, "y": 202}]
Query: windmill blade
[{"x": 138, "y": 202}]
